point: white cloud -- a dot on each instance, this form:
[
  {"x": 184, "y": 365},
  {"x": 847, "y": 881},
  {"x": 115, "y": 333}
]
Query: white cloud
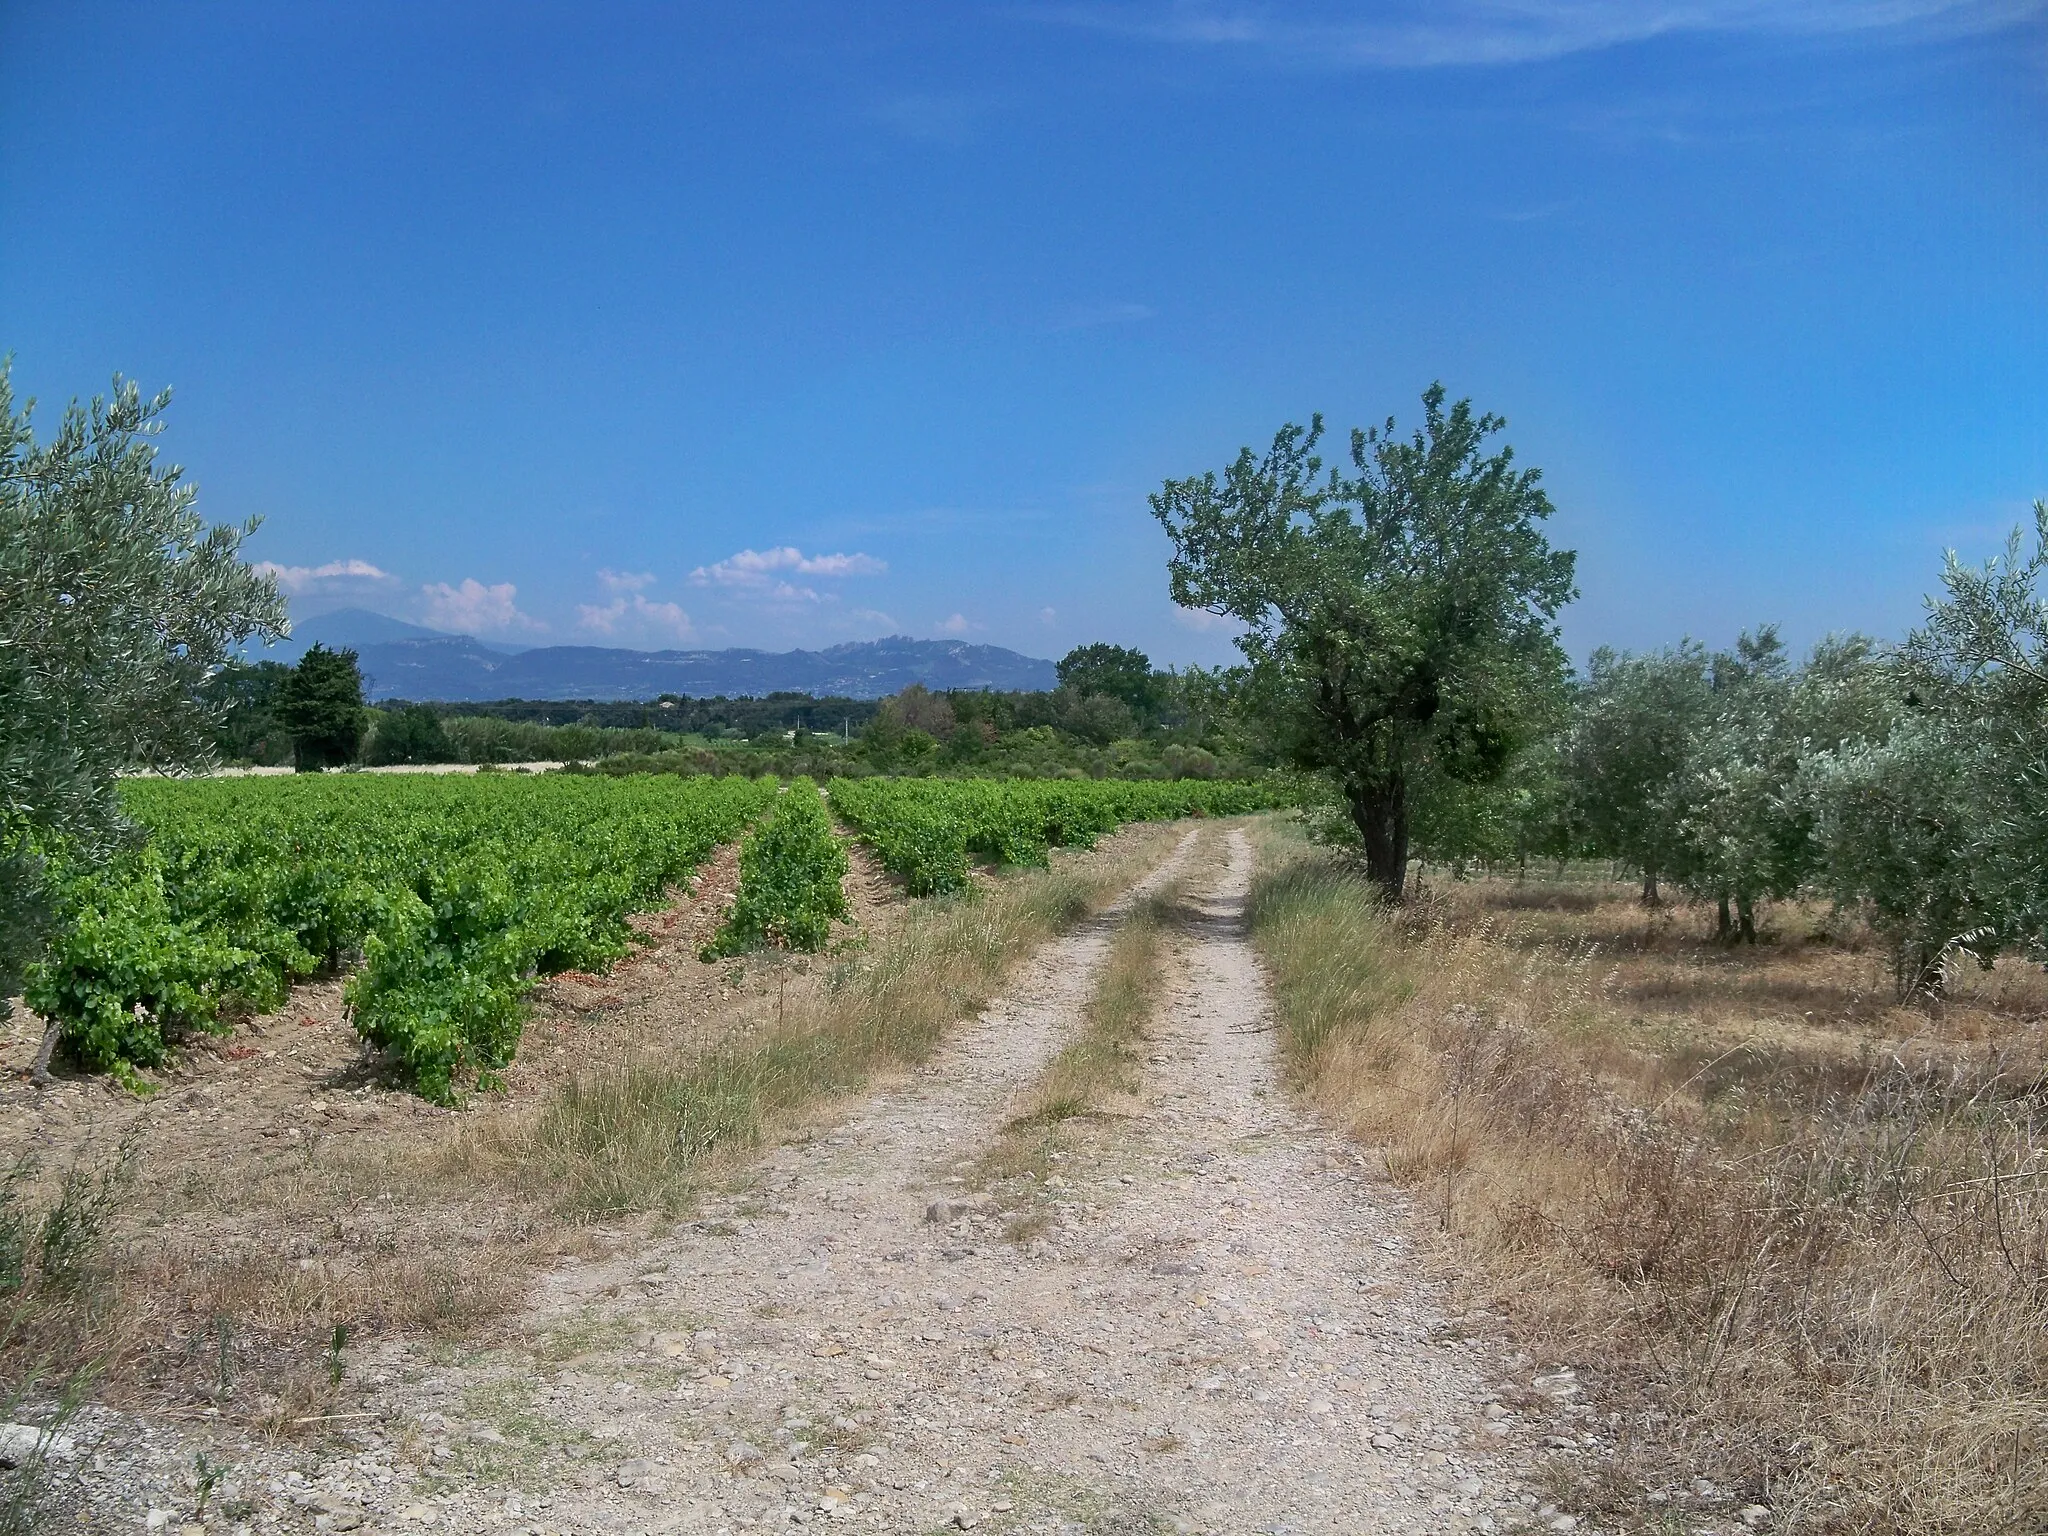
[
  {"x": 475, "y": 609},
  {"x": 637, "y": 615},
  {"x": 1048, "y": 616},
  {"x": 303, "y": 580},
  {"x": 757, "y": 573},
  {"x": 1493, "y": 32},
  {"x": 841, "y": 565},
  {"x": 632, "y": 614},
  {"x": 955, "y": 624},
  {"x": 1201, "y": 621}
]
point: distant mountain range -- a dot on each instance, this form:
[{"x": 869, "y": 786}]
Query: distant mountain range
[{"x": 404, "y": 661}]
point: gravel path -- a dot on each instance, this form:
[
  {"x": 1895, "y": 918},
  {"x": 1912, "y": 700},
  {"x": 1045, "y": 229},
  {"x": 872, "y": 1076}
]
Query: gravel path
[{"x": 1225, "y": 1330}]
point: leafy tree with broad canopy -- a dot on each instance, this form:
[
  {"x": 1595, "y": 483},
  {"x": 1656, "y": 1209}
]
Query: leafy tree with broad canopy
[
  {"x": 1399, "y": 622},
  {"x": 117, "y": 604},
  {"x": 1114, "y": 671}
]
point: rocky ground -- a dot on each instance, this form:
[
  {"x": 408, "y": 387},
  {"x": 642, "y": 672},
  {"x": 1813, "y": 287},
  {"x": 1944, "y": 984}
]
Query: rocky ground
[{"x": 1228, "y": 1326}]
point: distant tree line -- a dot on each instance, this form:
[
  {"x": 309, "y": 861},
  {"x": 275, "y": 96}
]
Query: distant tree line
[{"x": 1113, "y": 713}]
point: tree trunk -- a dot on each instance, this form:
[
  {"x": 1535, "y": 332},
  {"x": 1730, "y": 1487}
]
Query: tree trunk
[
  {"x": 1650, "y": 896},
  {"x": 1380, "y": 812},
  {"x": 39, "y": 1070},
  {"x": 1920, "y": 970},
  {"x": 1724, "y": 925},
  {"x": 1745, "y": 915}
]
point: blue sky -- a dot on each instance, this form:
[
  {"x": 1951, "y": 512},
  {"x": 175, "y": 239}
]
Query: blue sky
[{"x": 777, "y": 324}]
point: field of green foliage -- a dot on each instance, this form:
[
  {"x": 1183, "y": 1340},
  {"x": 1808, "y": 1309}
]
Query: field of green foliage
[
  {"x": 924, "y": 829},
  {"x": 445, "y": 897},
  {"x": 448, "y": 893}
]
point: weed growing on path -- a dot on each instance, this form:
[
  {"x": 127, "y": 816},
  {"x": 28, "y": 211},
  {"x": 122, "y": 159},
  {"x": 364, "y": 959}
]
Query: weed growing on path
[{"x": 1096, "y": 1067}]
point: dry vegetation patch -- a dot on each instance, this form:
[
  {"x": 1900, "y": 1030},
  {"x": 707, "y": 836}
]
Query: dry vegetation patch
[
  {"x": 1796, "y": 1233},
  {"x": 1092, "y": 1080},
  {"x": 275, "y": 1188}
]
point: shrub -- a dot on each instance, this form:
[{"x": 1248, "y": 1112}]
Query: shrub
[{"x": 412, "y": 735}]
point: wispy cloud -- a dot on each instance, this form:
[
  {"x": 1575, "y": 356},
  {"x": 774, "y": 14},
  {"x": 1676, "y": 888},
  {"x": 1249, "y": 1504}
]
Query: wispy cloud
[
  {"x": 956, "y": 624},
  {"x": 1084, "y": 317},
  {"x": 334, "y": 576},
  {"x": 1203, "y": 622},
  {"x": 1431, "y": 34},
  {"x": 1536, "y": 214},
  {"x": 1048, "y": 616},
  {"x": 764, "y": 573},
  {"x": 475, "y": 609},
  {"x": 928, "y": 117},
  {"x": 625, "y": 581}
]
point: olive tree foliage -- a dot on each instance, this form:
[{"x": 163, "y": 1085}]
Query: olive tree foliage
[
  {"x": 1938, "y": 832},
  {"x": 117, "y": 602},
  {"x": 1743, "y": 829},
  {"x": 1635, "y": 723},
  {"x": 1399, "y": 621}
]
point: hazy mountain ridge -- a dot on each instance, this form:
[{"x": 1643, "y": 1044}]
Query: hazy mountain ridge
[{"x": 459, "y": 669}]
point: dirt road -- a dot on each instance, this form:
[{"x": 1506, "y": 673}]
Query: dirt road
[{"x": 1225, "y": 1329}]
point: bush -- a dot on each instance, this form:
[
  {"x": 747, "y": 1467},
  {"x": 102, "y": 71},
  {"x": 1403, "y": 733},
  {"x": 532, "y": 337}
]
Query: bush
[
  {"x": 412, "y": 735},
  {"x": 791, "y": 867}
]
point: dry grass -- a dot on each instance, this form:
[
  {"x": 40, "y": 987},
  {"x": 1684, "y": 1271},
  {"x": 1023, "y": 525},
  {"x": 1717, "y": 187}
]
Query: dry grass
[
  {"x": 1800, "y": 1234},
  {"x": 1084, "y": 1082}
]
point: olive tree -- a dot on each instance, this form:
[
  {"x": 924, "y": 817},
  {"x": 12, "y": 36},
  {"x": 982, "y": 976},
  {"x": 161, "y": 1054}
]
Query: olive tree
[
  {"x": 1636, "y": 722},
  {"x": 1398, "y": 621},
  {"x": 1894, "y": 828},
  {"x": 117, "y": 603},
  {"x": 1745, "y": 832},
  {"x": 1938, "y": 833},
  {"x": 1982, "y": 658}
]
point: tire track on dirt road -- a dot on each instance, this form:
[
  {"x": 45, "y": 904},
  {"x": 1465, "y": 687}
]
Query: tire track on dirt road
[{"x": 1223, "y": 1332}]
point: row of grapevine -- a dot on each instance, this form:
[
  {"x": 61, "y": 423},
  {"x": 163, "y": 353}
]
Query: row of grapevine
[
  {"x": 792, "y": 870},
  {"x": 925, "y": 829},
  {"x": 454, "y": 891}
]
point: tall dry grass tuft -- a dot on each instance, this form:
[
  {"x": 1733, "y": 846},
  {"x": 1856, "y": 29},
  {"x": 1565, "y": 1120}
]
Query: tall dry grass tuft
[
  {"x": 1101, "y": 1061},
  {"x": 1081, "y": 1086},
  {"x": 1816, "y": 1271},
  {"x": 639, "y": 1136}
]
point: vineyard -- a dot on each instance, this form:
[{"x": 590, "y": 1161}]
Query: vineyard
[
  {"x": 448, "y": 896},
  {"x": 923, "y": 830}
]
